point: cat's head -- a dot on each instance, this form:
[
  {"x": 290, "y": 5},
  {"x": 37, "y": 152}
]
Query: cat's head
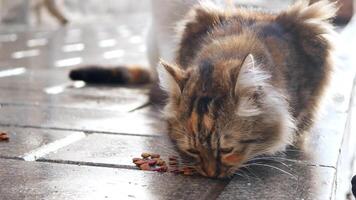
[{"x": 222, "y": 114}]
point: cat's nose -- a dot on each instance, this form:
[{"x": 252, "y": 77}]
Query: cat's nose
[{"x": 210, "y": 171}]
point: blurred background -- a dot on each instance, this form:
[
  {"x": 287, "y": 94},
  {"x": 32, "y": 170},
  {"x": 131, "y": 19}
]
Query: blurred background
[{"x": 52, "y": 12}]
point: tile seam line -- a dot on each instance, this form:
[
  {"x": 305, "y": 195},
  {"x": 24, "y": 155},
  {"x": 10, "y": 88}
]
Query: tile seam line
[
  {"x": 9, "y": 104},
  {"x": 53, "y": 146},
  {"x": 347, "y": 123},
  {"x": 79, "y": 130},
  {"x": 84, "y": 163},
  {"x": 77, "y": 163}
]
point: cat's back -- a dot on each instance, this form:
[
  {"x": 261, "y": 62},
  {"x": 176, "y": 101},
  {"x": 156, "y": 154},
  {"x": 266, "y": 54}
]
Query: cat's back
[{"x": 294, "y": 44}]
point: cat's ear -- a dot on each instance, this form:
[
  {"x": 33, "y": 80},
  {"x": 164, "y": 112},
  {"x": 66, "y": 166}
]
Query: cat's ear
[
  {"x": 171, "y": 78},
  {"x": 250, "y": 84}
]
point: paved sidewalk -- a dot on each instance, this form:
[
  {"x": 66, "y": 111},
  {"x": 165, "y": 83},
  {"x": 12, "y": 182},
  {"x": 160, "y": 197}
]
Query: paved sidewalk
[{"x": 69, "y": 140}]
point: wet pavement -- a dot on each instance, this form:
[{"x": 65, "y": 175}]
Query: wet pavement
[{"x": 69, "y": 140}]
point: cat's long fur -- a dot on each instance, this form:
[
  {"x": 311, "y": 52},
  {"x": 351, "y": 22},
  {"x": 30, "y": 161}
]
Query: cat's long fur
[
  {"x": 255, "y": 69},
  {"x": 245, "y": 81}
]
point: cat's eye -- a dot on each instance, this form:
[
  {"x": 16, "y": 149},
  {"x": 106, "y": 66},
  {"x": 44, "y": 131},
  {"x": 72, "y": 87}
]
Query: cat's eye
[
  {"x": 249, "y": 141},
  {"x": 226, "y": 150},
  {"x": 193, "y": 151}
]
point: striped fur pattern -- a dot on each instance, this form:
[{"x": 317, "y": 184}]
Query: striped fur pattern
[{"x": 245, "y": 82}]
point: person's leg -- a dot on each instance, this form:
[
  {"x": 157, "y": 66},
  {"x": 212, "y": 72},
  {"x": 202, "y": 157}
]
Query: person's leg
[{"x": 53, "y": 10}]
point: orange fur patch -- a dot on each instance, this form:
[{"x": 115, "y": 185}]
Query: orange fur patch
[
  {"x": 208, "y": 122},
  {"x": 193, "y": 122},
  {"x": 232, "y": 159}
]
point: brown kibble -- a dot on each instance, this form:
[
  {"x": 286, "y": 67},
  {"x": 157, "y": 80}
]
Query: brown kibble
[
  {"x": 172, "y": 163},
  {"x": 145, "y": 155},
  {"x": 152, "y": 162},
  {"x": 176, "y": 171},
  {"x": 156, "y": 169},
  {"x": 140, "y": 162},
  {"x": 4, "y": 137},
  {"x": 173, "y": 158},
  {"x": 145, "y": 167},
  {"x": 187, "y": 173},
  {"x": 160, "y": 162},
  {"x": 155, "y": 155},
  {"x": 161, "y": 169},
  {"x": 187, "y": 168}
]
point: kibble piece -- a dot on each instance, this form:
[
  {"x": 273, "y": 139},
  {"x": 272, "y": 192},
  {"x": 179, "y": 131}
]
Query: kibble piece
[
  {"x": 176, "y": 171},
  {"x": 155, "y": 155},
  {"x": 162, "y": 169},
  {"x": 4, "y": 137},
  {"x": 160, "y": 162},
  {"x": 145, "y": 155},
  {"x": 173, "y": 163},
  {"x": 145, "y": 167},
  {"x": 187, "y": 171},
  {"x": 140, "y": 162},
  {"x": 173, "y": 158},
  {"x": 152, "y": 162}
]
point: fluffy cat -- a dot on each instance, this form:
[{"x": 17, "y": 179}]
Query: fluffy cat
[{"x": 244, "y": 81}]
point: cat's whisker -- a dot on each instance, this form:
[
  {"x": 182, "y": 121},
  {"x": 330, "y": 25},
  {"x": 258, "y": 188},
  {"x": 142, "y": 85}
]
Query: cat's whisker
[
  {"x": 188, "y": 164},
  {"x": 251, "y": 171},
  {"x": 246, "y": 175},
  {"x": 274, "y": 167},
  {"x": 239, "y": 174},
  {"x": 294, "y": 150},
  {"x": 275, "y": 158},
  {"x": 181, "y": 132},
  {"x": 267, "y": 159}
]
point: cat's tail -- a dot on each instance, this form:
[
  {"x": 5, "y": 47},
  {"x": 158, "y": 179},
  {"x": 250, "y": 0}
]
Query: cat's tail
[
  {"x": 311, "y": 26},
  {"x": 125, "y": 75},
  {"x": 309, "y": 21}
]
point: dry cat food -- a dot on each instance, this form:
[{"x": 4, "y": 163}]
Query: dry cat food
[
  {"x": 154, "y": 162},
  {"x": 4, "y": 137}
]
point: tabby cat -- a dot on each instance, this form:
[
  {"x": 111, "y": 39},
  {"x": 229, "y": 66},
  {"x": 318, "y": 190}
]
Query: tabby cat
[{"x": 244, "y": 82}]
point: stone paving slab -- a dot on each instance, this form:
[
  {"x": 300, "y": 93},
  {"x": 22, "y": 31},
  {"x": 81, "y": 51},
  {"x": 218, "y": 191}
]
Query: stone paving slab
[
  {"x": 106, "y": 98},
  {"x": 310, "y": 183},
  {"x": 145, "y": 122},
  {"x": 33, "y": 79},
  {"x": 25, "y": 140},
  {"x": 112, "y": 149},
  {"x": 38, "y": 180},
  {"x": 89, "y": 50},
  {"x": 321, "y": 146}
]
